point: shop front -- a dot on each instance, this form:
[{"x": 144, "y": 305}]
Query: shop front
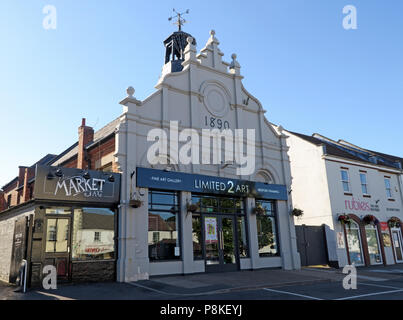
[
  {"x": 70, "y": 224},
  {"x": 210, "y": 224}
]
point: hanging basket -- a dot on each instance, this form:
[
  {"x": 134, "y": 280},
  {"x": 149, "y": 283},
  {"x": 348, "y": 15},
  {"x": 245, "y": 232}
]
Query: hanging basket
[
  {"x": 370, "y": 219},
  {"x": 259, "y": 210},
  {"x": 344, "y": 219},
  {"x": 297, "y": 212},
  {"x": 394, "y": 223}
]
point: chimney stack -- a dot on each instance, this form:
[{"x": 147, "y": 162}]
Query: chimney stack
[{"x": 85, "y": 136}]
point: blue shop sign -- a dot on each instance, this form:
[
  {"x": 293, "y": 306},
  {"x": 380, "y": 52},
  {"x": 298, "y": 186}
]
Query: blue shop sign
[{"x": 179, "y": 181}]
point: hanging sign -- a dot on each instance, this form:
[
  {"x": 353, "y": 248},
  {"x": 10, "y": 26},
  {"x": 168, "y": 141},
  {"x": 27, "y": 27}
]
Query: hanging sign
[{"x": 210, "y": 225}]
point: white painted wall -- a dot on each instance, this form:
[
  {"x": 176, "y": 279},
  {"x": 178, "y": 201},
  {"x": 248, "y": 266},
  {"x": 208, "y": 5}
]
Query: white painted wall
[
  {"x": 317, "y": 189},
  {"x": 205, "y": 88}
]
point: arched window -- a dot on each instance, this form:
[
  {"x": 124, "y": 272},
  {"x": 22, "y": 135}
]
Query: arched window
[
  {"x": 374, "y": 249},
  {"x": 264, "y": 176},
  {"x": 354, "y": 244}
]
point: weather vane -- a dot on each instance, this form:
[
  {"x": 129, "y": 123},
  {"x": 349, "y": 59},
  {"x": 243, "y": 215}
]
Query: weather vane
[{"x": 180, "y": 22}]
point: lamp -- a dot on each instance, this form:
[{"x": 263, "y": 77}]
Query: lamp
[
  {"x": 59, "y": 173},
  {"x": 111, "y": 178},
  {"x": 86, "y": 175}
]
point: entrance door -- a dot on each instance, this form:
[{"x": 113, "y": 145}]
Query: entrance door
[
  {"x": 397, "y": 244},
  {"x": 220, "y": 244},
  {"x": 57, "y": 245}
]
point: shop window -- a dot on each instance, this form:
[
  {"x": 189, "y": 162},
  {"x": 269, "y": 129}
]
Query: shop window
[
  {"x": 388, "y": 188},
  {"x": 242, "y": 238},
  {"x": 345, "y": 180},
  {"x": 354, "y": 244},
  {"x": 163, "y": 226},
  {"x": 267, "y": 229},
  {"x": 197, "y": 237},
  {"x": 364, "y": 184},
  {"x": 373, "y": 244},
  {"x": 88, "y": 225}
]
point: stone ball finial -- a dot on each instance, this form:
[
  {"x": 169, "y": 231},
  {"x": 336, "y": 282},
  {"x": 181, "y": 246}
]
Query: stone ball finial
[
  {"x": 130, "y": 91},
  {"x": 233, "y": 56},
  {"x": 212, "y": 32}
]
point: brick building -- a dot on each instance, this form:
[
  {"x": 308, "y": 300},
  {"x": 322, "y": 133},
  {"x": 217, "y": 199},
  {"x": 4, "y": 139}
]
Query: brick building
[{"x": 20, "y": 209}]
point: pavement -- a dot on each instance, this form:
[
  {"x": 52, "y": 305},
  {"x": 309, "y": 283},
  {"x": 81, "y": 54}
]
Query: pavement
[{"x": 315, "y": 283}]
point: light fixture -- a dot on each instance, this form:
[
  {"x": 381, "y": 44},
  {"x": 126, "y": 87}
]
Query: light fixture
[
  {"x": 50, "y": 176},
  {"x": 59, "y": 173},
  {"x": 86, "y": 175},
  {"x": 111, "y": 178}
]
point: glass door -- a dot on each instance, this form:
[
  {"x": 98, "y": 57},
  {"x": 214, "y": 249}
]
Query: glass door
[
  {"x": 220, "y": 244},
  {"x": 397, "y": 243},
  {"x": 57, "y": 245}
]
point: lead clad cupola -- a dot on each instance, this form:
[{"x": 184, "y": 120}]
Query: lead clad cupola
[{"x": 175, "y": 44}]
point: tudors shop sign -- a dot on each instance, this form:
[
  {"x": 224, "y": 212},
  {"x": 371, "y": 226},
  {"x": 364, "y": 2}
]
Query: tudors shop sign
[
  {"x": 152, "y": 178},
  {"x": 68, "y": 184}
]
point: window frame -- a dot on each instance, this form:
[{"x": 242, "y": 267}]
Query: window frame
[
  {"x": 275, "y": 216},
  {"x": 362, "y": 173},
  {"x": 388, "y": 195},
  {"x": 176, "y": 211},
  {"x": 345, "y": 181}
]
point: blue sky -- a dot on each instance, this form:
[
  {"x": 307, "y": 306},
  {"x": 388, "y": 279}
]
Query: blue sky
[{"x": 310, "y": 74}]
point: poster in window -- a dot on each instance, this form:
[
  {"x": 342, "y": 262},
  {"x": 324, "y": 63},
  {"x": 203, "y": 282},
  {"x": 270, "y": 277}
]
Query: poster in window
[
  {"x": 211, "y": 229},
  {"x": 340, "y": 240},
  {"x": 386, "y": 239}
]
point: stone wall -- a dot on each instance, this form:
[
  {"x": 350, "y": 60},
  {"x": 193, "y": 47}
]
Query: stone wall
[{"x": 93, "y": 271}]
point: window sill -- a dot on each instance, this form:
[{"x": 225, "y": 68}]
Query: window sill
[
  {"x": 366, "y": 196},
  {"x": 391, "y": 199},
  {"x": 348, "y": 194}
]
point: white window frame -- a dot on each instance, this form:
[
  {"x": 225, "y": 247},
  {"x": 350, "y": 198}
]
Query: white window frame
[
  {"x": 345, "y": 181},
  {"x": 388, "y": 195},
  {"x": 364, "y": 184}
]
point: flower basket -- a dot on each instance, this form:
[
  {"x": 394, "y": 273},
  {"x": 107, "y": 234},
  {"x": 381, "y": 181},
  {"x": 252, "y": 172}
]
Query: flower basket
[
  {"x": 370, "y": 219},
  {"x": 192, "y": 207},
  {"x": 135, "y": 203},
  {"x": 344, "y": 219},
  {"x": 297, "y": 212},
  {"x": 259, "y": 210},
  {"x": 394, "y": 223}
]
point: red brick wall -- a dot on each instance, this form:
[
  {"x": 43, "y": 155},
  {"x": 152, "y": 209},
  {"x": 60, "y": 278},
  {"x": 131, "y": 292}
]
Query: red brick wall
[{"x": 100, "y": 151}]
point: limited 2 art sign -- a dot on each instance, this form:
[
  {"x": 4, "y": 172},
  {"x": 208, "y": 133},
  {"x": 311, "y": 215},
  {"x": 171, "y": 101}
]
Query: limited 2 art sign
[
  {"x": 68, "y": 184},
  {"x": 158, "y": 179}
]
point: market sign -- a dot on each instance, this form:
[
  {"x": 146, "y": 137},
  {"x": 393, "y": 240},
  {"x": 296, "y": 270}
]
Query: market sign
[
  {"x": 69, "y": 184},
  {"x": 158, "y": 179}
]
